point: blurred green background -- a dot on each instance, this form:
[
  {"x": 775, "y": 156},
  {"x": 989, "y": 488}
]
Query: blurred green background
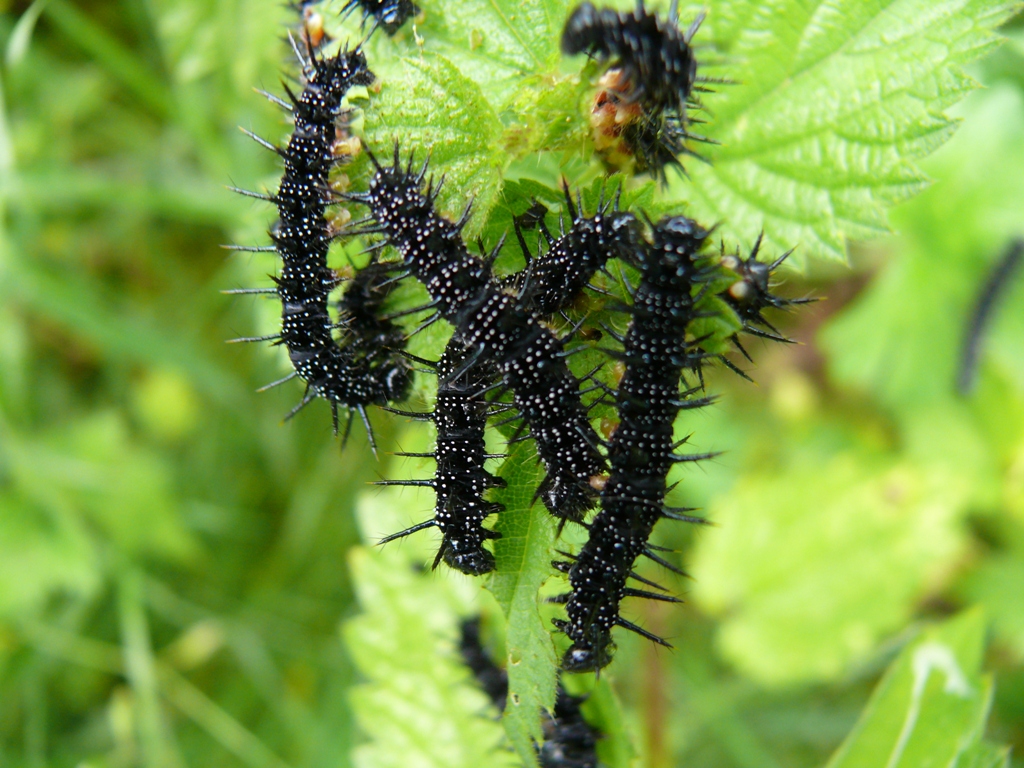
[{"x": 173, "y": 568}]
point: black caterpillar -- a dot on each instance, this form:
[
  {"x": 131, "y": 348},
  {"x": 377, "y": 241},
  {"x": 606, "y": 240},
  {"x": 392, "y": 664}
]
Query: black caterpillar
[
  {"x": 994, "y": 288},
  {"x": 361, "y": 310},
  {"x": 641, "y": 451},
  {"x": 390, "y": 15},
  {"x": 648, "y": 88},
  {"x": 569, "y": 740},
  {"x": 496, "y": 327},
  {"x": 552, "y": 279},
  {"x": 657, "y": 355},
  {"x": 654, "y": 56},
  {"x": 750, "y": 294},
  {"x": 349, "y": 372},
  {"x": 460, "y": 481}
]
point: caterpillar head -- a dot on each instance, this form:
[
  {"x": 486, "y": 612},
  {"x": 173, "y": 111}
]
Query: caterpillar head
[
  {"x": 670, "y": 258},
  {"x": 751, "y": 293},
  {"x": 475, "y": 562},
  {"x": 583, "y": 659}
]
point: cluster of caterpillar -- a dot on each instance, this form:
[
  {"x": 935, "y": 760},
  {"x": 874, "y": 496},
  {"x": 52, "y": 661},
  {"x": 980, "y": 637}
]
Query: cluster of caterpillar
[
  {"x": 498, "y": 322},
  {"x": 496, "y": 326},
  {"x": 552, "y": 279},
  {"x": 569, "y": 740},
  {"x": 505, "y": 340}
]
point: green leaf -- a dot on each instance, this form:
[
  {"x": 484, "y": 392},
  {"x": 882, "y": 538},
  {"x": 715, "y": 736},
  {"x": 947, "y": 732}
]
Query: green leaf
[
  {"x": 984, "y": 755},
  {"x": 836, "y": 102},
  {"x": 496, "y": 42},
  {"x": 523, "y": 555},
  {"x": 900, "y": 340},
  {"x": 419, "y": 707},
  {"x": 813, "y": 563},
  {"x": 995, "y": 585},
  {"x": 93, "y": 471},
  {"x": 931, "y": 706},
  {"x": 547, "y": 108},
  {"x": 42, "y": 555},
  {"x": 433, "y": 109}
]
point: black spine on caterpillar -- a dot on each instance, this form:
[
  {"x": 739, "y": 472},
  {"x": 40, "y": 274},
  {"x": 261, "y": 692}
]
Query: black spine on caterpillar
[
  {"x": 569, "y": 740},
  {"x": 344, "y": 372},
  {"x": 460, "y": 480},
  {"x": 642, "y": 450},
  {"x": 554, "y": 278},
  {"x": 657, "y": 140},
  {"x": 529, "y": 357},
  {"x": 390, "y": 15},
  {"x": 649, "y": 86}
]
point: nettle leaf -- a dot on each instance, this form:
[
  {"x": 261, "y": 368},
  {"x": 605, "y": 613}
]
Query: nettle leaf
[
  {"x": 837, "y": 101},
  {"x": 931, "y": 706},
  {"x": 523, "y": 555},
  {"x": 419, "y": 706},
  {"x": 433, "y": 109},
  {"x": 496, "y": 42},
  {"x": 900, "y": 340},
  {"x": 546, "y": 109},
  {"x": 815, "y": 142}
]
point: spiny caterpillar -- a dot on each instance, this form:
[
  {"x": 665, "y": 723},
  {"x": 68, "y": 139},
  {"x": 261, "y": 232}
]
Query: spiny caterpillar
[
  {"x": 641, "y": 110},
  {"x": 460, "y": 414},
  {"x": 553, "y": 278},
  {"x": 658, "y": 353},
  {"x": 497, "y": 328},
  {"x": 387, "y": 14},
  {"x": 642, "y": 449},
  {"x": 750, "y": 294},
  {"x": 361, "y": 310},
  {"x": 349, "y": 372}
]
